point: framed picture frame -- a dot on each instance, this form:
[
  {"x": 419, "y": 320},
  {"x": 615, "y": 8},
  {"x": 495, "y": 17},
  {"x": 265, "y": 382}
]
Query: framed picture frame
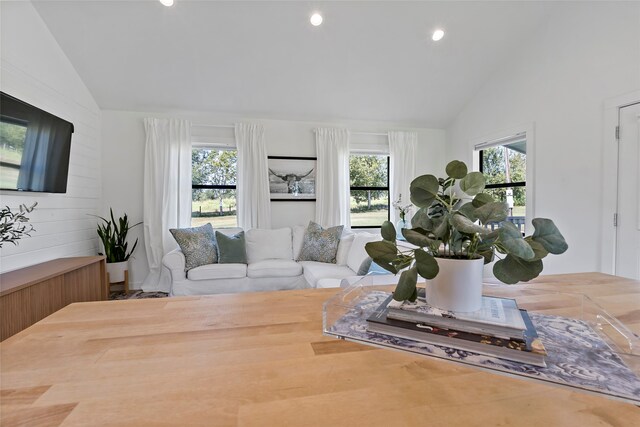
[{"x": 292, "y": 179}]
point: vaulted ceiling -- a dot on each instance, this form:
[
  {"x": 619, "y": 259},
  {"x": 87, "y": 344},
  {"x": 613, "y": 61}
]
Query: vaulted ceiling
[{"x": 368, "y": 60}]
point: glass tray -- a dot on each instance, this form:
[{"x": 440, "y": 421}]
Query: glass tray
[{"x": 588, "y": 349}]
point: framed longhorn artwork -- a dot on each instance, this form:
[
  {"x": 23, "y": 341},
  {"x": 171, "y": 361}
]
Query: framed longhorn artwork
[{"x": 292, "y": 178}]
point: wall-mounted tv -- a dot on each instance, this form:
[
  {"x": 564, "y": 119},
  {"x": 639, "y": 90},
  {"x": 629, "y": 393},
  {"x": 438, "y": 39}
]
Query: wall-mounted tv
[{"x": 34, "y": 148}]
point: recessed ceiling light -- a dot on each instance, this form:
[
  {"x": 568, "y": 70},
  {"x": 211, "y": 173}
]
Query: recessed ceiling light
[
  {"x": 437, "y": 35},
  {"x": 316, "y": 19},
  {"x": 167, "y": 2}
]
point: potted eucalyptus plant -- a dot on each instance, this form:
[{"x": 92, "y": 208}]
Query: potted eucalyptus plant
[
  {"x": 453, "y": 242},
  {"x": 15, "y": 225},
  {"x": 113, "y": 235}
]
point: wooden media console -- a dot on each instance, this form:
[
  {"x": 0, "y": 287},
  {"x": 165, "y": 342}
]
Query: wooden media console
[{"x": 30, "y": 294}]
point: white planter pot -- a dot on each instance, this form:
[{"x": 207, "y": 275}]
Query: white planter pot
[
  {"x": 116, "y": 271},
  {"x": 458, "y": 285}
]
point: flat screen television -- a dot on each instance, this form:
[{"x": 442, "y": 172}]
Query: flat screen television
[{"x": 34, "y": 148}]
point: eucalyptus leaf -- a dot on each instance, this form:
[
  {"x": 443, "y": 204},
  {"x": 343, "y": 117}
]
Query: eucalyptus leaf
[
  {"x": 414, "y": 237},
  {"x": 539, "y": 250},
  {"x": 481, "y": 199},
  {"x": 492, "y": 212},
  {"x": 421, "y": 219},
  {"x": 511, "y": 239},
  {"x": 487, "y": 254},
  {"x": 388, "y": 231},
  {"x": 547, "y": 234},
  {"x": 426, "y": 264},
  {"x": 512, "y": 270},
  {"x": 456, "y": 169},
  {"x": 468, "y": 210},
  {"x": 473, "y": 183},
  {"x": 465, "y": 225},
  {"x": 382, "y": 251},
  {"x": 414, "y": 296},
  {"x": 424, "y": 190},
  {"x": 406, "y": 285},
  {"x": 488, "y": 240},
  {"x": 441, "y": 227}
]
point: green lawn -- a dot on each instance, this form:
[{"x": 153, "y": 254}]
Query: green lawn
[
  {"x": 229, "y": 221},
  {"x": 369, "y": 218}
]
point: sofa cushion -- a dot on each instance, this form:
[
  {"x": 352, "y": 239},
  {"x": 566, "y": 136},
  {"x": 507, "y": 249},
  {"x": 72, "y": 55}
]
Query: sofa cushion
[
  {"x": 314, "y": 271},
  {"x": 218, "y": 271},
  {"x": 320, "y": 244},
  {"x": 274, "y": 268},
  {"x": 231, "y": 249},
  {"x": 197, "y": 245},
  {"x": 357, "y": 253},
  {"x": 343, "y": 247},
  {"x": 298, "y": 238},
  {"x": 268, "y": 244}
]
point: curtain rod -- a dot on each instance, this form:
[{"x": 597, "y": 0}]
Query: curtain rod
[
  {"x": 365, "y": 133},
  {"x": 212, "y": 126},
  {"x": 371, "y": 133}
]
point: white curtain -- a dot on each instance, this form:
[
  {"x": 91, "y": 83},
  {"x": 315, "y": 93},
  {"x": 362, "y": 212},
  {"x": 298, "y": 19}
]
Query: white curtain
[
  {"x": 332, "y": 179},
  {"x": 167, "y": 192},
  {"x": 402, "y": 168},
  {"x": 254, "y": 208}
]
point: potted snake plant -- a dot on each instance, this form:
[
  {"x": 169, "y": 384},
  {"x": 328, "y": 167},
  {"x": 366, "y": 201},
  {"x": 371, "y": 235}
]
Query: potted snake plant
[
  {"x": 113, "y": 235},
  {"x": 453, "y": 242}
]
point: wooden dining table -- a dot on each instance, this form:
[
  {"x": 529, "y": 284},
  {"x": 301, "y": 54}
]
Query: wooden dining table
[{"x": 260, "y": 359}]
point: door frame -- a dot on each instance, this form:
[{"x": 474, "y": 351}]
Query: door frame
[{"x": 608, "y": 241}]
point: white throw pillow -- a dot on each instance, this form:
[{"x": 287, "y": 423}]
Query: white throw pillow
[
  {"x": 343, "y": 248},
  {"x": 357, "y": 253},
  {"x": 268, "y": 244}
]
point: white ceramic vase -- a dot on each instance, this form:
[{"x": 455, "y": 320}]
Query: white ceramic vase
[
  {"x": 116, "y": 271},
  {"x": 458, "y": 285}
]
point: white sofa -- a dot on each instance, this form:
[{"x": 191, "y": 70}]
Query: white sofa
[{"x": 271, "y": 265}]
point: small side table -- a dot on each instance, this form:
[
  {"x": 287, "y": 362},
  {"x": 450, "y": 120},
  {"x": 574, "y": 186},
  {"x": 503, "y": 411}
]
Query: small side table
[{"x": 125, "y": 283}]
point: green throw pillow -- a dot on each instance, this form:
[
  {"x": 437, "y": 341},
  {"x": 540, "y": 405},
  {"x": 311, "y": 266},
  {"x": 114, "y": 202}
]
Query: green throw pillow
[
  {"x": 197, "y": 245},
  {"x": 231, "y": 248},
  {"x": 320, "y": 244}
]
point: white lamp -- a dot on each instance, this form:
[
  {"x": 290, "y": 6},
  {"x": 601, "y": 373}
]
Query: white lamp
[{"x": 167, "y": 2}]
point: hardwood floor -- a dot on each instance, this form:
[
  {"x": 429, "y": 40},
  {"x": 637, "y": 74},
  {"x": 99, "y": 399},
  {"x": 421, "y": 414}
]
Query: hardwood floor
[{"x": 261, "y": 359}]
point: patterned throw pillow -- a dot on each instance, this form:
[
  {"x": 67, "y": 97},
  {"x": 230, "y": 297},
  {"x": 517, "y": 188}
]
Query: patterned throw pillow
[
  {"x": 232, "y": 248},
  {"x": 320, "y": 244},
  {"x": 197, "y": 245}
]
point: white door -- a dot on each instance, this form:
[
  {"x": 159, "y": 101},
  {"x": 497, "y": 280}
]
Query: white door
[{"x": 628, "y": 229}]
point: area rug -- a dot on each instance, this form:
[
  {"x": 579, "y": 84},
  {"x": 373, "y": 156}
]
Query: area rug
[{"x": 137, "y": 295}]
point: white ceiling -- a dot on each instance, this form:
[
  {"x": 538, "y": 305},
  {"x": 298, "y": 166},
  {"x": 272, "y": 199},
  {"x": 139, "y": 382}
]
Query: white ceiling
[{"x": 368, "y": 60}]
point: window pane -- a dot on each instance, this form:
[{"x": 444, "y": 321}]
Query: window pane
[
  {"x": 516, "y": 199},
  {"x": 368, "y": 171},
  {"x": 12, "y": 138},
  {"x": 496, "y": 159},
  {"x": 369, "y": 208},
  {"x": 215, "y": 167},
  {"x": 217, "y": 207}
]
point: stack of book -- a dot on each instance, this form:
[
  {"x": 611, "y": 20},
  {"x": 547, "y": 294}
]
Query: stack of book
[{"x": 499, "y": 329}]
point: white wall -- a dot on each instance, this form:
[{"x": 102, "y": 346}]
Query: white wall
[
  {"x": 34, "y": 69},
  {"x": 559, "y": 80},
  {"x": 123, "y": 159}
]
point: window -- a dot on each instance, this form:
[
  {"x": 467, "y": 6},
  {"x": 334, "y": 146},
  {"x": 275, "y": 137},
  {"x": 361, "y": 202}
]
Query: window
[
  {"x": 12, "y": 137},
  {"x": 369, "y": 180},
  {"x": 505, "y": 169},
  {"x": 213, "y": 187}
]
